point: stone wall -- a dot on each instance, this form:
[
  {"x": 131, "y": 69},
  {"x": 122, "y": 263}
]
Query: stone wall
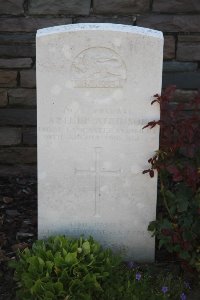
[{"x": 19, "y": 20}]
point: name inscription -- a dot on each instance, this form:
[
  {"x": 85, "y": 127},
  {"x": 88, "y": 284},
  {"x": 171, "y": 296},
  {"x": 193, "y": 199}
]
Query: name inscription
[{"x": 114, "y": 125}]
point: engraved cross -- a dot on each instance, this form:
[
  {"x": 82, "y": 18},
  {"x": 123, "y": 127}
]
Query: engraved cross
[{"x": 97, "y": 172}]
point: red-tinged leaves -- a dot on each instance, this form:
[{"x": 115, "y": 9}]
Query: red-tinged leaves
[
  {"x": 176, "y": 238},
  {"x": 175, "y": 172},
  {"x": 192, "y": 177},
  {"x": 166, "y": 232},
  {"x": 146, "y": 171},
  {"x": 178, "y": 165},
  {"x": 179, "y": 136},
  {"x": 188, "y": 151},
  {"x": 169, "y": 92},
  {"x": 177, "y": 177},
  {"x": 152, "y": 124},
  {"x": 186, "y": 246},
  {"x": 145, "y": 126},
  {"x": 154, "y": 101},
  {"x": 156, "y": 95},
  {"x": 157, "y": 99},
  {"x": 151, "y": 173}
]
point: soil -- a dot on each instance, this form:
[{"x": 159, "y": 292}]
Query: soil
[
  {"x": 18, "y": 229},
  {"x": 18, "y": 225}
]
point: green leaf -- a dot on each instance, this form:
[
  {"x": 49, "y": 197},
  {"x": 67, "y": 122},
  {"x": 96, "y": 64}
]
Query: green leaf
[
  {"x": 182, "y": 204},
  {"x": 58, "y": 260},
  {"x": 95, "y": 247},
  {"x": 49, "y": 286},
  {"x": 184, "y": 255},
  {"x": 166, "y": 224},
  {"x": 152, "y": 226},
  {"x": 86, "y": 247},
  {"x": 49, "y": 295},
  {"x": 37, "y": 288},
  {"x": 187, "y": 235},
  {"x": 71, "y": 258},
  {"x": 58, "y": 286},
  {"x": 161, "y": 243},
  {"x": 183, "y": 196},
  {"x": 50, "y": 255},
  {"x": 170, "y": 196},
  {"x": 27, "y": 280},
  {"x": 49, "y": 265}
]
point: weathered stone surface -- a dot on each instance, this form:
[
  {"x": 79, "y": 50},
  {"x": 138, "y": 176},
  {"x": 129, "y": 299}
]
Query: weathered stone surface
[
  {"x": 169, "y": 47},
  {"x": 18, "y": 155},
  {"x": 186, "y": 80},
  {"x": 184, "y": 95},
  {"x": 3, "y": 97},
  {"x": 8, "y": 78},
  {"x": 10, "y": 116},
  {"x": 175, "y": 66},
  {"x": 173, "y": 6},
  {"x": 30, "y": 136},
  {"x": 22, "y": 97},
  {"x": 28, "y": 78},
  {"x": 171, "y": 23},
  {"x": 10, "y": 136},
  {"x": 30, "y": 24},
  {"x": 93, "y": 91},
  {"x": 188, "y": 51},
  {"x": 104, "y": 19},
  {"x": 72, "y": 7},
  {"x": 11, "y": 7},
  {"x": 17, "y": 50},
  {"x": 18, "y": 170},
  {"x": 120, "y": 7},
  {"x": 15, "y": 63}
]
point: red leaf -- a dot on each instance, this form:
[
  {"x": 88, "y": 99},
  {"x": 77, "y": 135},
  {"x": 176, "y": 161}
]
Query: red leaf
[
  {"x": 166, "y": 232},
  {"x": 173, "y": 170},
  {"x": 146, "y": 171},
  {"x": 151, "y": 173}
]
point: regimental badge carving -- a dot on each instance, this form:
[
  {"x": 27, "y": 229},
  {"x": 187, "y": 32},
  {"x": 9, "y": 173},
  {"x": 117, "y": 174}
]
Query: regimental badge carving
[{"x": 98, "y": 67}]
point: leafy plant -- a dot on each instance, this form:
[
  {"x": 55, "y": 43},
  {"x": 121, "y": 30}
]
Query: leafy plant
[
  {"x": 178, "y": 164},
  {"x": 71, "y": 269},
  {"x": 63, "y": 268}
]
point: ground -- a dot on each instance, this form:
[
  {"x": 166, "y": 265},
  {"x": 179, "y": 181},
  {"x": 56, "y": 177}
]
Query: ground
[
  {"x": 18, "y": 224},
  {"x": 18, "y": 229}
]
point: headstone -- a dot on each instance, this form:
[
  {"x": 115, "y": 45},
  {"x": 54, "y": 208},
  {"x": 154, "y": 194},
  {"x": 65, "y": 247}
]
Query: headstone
[{"x": 94, "y": 84}]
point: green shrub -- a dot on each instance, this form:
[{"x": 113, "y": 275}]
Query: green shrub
[
  {"x": 79, "y": 269},
  {"x": 63, "y": 268}
]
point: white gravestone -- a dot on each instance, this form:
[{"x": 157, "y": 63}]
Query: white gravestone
[{"x": 94, "y": 84}]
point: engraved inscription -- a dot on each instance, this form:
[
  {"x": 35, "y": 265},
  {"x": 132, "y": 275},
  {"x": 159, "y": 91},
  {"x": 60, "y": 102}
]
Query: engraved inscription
[
  {"x": 98, "y": 172},
  {"x": 98, "y": 67},
  {"x": 114, "y": 124}
]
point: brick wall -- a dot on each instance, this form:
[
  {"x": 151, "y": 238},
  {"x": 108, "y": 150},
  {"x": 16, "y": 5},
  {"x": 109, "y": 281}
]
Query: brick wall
[{"x": 19, "y": 20}]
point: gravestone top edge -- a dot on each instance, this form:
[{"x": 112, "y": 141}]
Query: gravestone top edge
[{"x": 101, "y": 27}]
